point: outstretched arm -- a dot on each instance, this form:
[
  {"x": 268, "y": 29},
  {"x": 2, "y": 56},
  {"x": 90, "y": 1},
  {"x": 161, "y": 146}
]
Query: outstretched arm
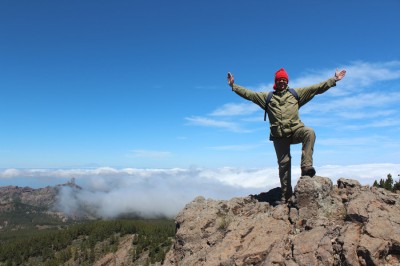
[
  {"x": 307, "y": 93},
  {"x": 339, "y": 74},
  {"x": 256, "y": 97}
]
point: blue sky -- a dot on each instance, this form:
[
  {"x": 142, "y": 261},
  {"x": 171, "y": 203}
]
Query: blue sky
[{"x": 142, "y": 85}]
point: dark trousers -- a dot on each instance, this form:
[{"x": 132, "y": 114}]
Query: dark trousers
[{"x": 304, "y": 135}]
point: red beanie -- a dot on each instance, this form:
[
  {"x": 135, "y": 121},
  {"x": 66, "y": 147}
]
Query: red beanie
[{"x": 281, "y": 74}]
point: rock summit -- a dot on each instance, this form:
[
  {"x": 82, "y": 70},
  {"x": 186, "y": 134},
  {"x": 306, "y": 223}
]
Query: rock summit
[{"x": 322, "y": 224}]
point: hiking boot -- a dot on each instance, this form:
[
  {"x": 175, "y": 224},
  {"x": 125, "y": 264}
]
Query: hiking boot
[{"x": 308, "y": 171}]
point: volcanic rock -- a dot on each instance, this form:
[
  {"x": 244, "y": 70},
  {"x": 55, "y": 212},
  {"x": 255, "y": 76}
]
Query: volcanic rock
[{"x": 322, "y": 224}]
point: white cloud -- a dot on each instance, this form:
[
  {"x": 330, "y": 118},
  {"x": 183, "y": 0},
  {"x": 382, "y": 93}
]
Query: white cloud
[
  {"x": 109, "y": 191},
  {"x": 245, "y": 178},
  {"x": 10, "y": 173},
  {"x": 365, "y": 173}
]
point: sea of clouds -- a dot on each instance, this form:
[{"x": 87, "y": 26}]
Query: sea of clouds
[{"x": 110, "y": 192}]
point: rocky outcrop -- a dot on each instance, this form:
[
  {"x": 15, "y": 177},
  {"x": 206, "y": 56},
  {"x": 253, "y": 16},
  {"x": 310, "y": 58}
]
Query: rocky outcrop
[
  {"x": 21, "y": 206},
  {"x": 323, "y": 224},
  {"x": 40, "y": 197}
]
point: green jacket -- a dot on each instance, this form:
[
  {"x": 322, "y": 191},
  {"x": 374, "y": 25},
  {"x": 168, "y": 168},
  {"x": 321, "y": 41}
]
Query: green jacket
[{"x": 283, "y": 109}]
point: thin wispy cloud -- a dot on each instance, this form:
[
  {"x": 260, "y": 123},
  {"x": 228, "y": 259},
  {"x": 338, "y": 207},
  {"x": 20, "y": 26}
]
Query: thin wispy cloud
[
  {"x": 150, "y": 154},
  {"x": 232, "y": 109},
  {"x": 311, "y": 77},
  {"x": 359, "y": 76},
  {"x": 364, "y": 74},
  {"x": 353, "y": 141},
  {"x": 233, "y": 148},
  {"x": 208, "y": 122},
  {"x": 205, "y": 87},
  {"x": 366, "y": 115},
  {"x": 381, "y": 123},
  {"x": 354, "y": 103},
  {"x": 260, "y": 87}
]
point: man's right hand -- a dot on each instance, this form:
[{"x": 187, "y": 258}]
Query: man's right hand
[{"x": 231, "y": 79}]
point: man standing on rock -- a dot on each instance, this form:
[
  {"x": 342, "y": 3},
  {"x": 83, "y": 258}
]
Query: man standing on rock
[{"x": 282, "y": 106}]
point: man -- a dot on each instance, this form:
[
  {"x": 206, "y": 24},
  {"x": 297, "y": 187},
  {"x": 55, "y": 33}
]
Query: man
[{"x": 286, "y": 127}]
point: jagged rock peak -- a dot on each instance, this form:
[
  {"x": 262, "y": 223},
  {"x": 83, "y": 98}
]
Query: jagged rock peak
[
  {"x": 323, "y": 224},
  {"x": 70, "y": 184}
]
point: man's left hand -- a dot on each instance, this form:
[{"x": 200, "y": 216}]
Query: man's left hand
[{"x": 340, "y": 74}]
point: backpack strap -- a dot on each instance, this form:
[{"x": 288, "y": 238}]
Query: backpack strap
[
  {"x": 294, "y": 93},
  {"x": 267, "y": 100},
  {"x": 269, "y": 96}
]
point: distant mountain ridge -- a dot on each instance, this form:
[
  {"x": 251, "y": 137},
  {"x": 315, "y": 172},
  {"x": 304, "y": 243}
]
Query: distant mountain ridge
[{"x": 22, "y": 207}]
